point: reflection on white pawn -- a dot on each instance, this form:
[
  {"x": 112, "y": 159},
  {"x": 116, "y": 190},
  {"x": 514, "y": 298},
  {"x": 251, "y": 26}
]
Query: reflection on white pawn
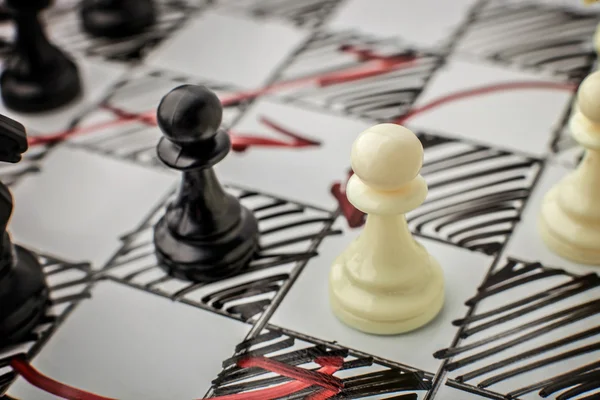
[
  {"x": 569, "y": 222},
  {"x": 385, "y": 282}
]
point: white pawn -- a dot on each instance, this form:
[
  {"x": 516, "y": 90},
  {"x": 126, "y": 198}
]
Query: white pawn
[
  {"x": 385, "y": 282},
  {"x": 570, "y": 217}
]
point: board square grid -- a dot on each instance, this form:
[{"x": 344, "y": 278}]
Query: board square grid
[{"x": 566, "y": 56}]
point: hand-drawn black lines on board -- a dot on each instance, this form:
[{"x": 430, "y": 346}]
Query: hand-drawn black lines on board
[
  {"x": 68, "y": 285},
  {"x": 380, "y": 97},
  {"x": 65, "y": 26},
  {"x": 476, "y": 193},
  {"x": 290, "y": 233},
  {"x": 124, "y": 124},
  {"x": 30, "y": 163},
  {"x": 534, "y": 332},
  {"x": 533, "y": 36},
  {"x": 359, "y": 375},
  {"x": 301, "y": 13}
]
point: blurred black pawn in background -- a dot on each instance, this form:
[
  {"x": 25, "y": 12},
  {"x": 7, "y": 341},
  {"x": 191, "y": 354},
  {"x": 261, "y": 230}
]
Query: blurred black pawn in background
[
  {"x": 117, "y": 18},
  {"x": 37, "y": 75}
]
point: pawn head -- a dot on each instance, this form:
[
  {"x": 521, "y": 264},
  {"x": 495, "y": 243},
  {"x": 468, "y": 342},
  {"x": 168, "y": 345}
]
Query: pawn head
[
  {"x": 387, "y": 156},
  {"x": 588, "y": 97},
  {"x": 189, "y": 114}
]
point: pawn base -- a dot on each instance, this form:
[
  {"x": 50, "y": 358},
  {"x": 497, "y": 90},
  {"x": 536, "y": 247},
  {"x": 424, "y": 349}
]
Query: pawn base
[
  {"x": 25, "y": 93},
  {"x": 387, "y": 313},
  {"x": 117, "y": 19},
  {"x": 574, "y": 239},
  {"x": 24, "y": 298},
  {"x": 209, "y": 259}
]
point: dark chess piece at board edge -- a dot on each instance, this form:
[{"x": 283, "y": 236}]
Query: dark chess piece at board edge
[
  {"x": 23, "y": 291},
  {"x": 205, "y": 234},
  {"x": 37, "y": 75},
  {"x": 116, "y": 18}
]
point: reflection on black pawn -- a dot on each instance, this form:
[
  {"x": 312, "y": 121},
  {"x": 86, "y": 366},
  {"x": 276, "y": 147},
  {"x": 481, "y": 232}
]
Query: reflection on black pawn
[
  {"x": 116, "y": 18},
  {"x": 205, "y": 234},
  {"x": 37, "y": 76},
  {"x": 23, "y": 291}
]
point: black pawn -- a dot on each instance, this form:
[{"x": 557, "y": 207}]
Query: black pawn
[
  {"x": 23, "y": 291},
  {"x": 117, "y": 18},
  {"x": 37, "y": 76},
  {"x": 205, "y": 234}
]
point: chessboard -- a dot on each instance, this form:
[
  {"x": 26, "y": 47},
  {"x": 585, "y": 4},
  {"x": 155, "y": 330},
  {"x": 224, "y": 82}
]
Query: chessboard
[{"x": 488, "y": 86}]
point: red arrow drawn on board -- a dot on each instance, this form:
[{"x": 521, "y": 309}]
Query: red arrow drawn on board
[
  {"x": 356, "y": 218},
  {"x": 303, "y": 378},
  {"x": 239, "y": 142},
  {"x": 49, "y": 385},
  {"x": 242, "y": 142},
  {"x": 374, "y": 65}
]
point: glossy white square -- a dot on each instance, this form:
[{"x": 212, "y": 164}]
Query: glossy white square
[
  {"x": 299, "y": 174},
  {"x": 97, "y": 77},
  {"x": 229, "y": 49},
  {"x": 80, "y": 203},
  {"x": 413, "y": 21},
  {"x": 521, "y": 120},
  {"x": 305, "y": 309},
  {"x": 124, "y": 343}
]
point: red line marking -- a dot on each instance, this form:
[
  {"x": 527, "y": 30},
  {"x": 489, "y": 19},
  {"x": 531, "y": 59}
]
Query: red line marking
[
  {"x": 303, "y": 375},
  {"x": 478, "y": 91},
  {"x": 286, "y": 132},
  {"x": 356, "y": 218},
  {"x": 375, "y": 66},
  {"x": 242, "y": 142},
  {"x": 239, "y": 142},
  {"x": 49, "y": 385},
  {"x": 57, "y": 137},
  {"x": 303, "y": 379},
  {"x": 330, "y": 365}
]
